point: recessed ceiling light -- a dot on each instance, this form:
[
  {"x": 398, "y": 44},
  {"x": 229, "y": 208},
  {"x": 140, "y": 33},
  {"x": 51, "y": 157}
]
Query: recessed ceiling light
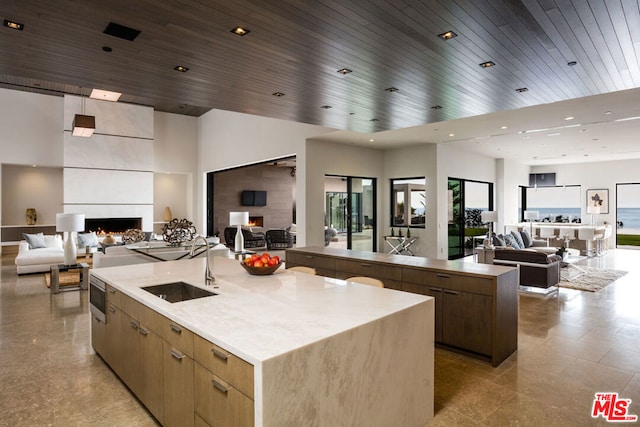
[
  {"x": 521, "y": 89},
  {"x": 372, "y": 140},
  {"x": 487, "y": 64},
  {"x": 553, "y": 134},
  {"x": 503, "y": 127},
  {"x": 436, "y": 107},
  {"x": 105, "y": 95},
  {"x": 452, "y": 134},
  {"x": 448, "y": 35},
  {"x": 13, "y": 25},
  {"x": 344, "y": 71},
  {"x": 181, "y": 68},
  {"x": 607, "y": 112},
  {"x": 240, "y": 31},
  {"x": 569, "y": 118},
  {"x": 326, "y": 107},
  {"x": 374, "y": 120},
  {"x": 392, "y": 89},
  {"x": 571, "y": 63},
  {"x": 277, "y": 94}
]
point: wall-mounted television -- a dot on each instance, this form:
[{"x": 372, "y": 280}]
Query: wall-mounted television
[{"x": 254, "y": 198}]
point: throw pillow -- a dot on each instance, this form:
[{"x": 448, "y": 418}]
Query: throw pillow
[
  {"x": 498, "y": 240},
  {"x": 35, "y": 241},
  {"x": 518, "y": 238},
  {"x": 510, "y": 241},
  {"x": 87, "y": 239},
  {"x": 526, "y": 238}
]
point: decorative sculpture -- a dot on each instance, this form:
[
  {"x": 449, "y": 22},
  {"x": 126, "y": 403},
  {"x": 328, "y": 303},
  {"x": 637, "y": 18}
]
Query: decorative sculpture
[
  {"x": 176, "y": 231},
  {"x": 133, "y": 235}
]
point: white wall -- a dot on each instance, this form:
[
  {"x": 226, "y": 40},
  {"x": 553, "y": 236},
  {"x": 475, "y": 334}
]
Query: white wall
[
  {"x": 29, "y": 187},
  {"x": 227, "y": 139},
  {"x": 409, "y": 162},
  {"x": 324, "y": 158}
]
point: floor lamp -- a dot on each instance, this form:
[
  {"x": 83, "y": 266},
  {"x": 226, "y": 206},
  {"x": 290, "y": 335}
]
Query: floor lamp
[
  {"x": 489, "y": 217},
  {"x": 530, "y": 216},
  {"x": 239, "y": 219},
  {"x": 70, "y": 223}
]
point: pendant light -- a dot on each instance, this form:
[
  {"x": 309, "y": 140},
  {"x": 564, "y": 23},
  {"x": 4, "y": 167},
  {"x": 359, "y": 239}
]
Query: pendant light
[{"x": 83, "y": 125}]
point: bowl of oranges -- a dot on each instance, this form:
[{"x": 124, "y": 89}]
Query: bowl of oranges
[{"x": 261, "y": 264}]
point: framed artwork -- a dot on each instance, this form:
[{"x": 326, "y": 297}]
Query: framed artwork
[{"x": 598, "y": 201}]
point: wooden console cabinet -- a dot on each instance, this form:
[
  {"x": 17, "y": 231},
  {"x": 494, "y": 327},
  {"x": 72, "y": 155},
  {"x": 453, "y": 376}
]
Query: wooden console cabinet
[{"x": 476, "y": 304}]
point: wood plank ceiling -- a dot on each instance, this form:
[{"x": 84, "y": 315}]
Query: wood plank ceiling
[{"x": 297, "y": 47}]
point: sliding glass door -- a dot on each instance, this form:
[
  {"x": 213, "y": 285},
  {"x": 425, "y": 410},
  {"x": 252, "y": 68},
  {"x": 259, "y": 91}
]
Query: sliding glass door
[
  {"x": 628, "y": 216},
  {"x": 350, "y": 212},
  {"x": 467, "y": 200}
]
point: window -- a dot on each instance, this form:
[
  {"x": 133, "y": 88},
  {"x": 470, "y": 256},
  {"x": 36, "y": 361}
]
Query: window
[
  {"x": 555, "y": 204},
  {"x": 408, "y": 202}
]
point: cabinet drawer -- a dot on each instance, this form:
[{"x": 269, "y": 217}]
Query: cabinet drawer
[
  {"x": 175, "y": 334},
  {"x": 478, "y": 285},
  {"x": 224, "y": 364},
  {"x": 366, "y": 268},
  {"x": 218, "y": 403},
  {"x": 113, "y": 296},
  {"x": 315, "y": 261}
]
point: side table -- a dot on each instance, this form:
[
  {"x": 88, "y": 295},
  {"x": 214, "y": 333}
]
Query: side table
[
  {"x": 400, "y": 244},
  {"x": 55, "y": 277}
]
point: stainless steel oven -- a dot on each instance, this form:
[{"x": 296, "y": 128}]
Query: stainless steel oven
[{"x": 98, "y": 298}]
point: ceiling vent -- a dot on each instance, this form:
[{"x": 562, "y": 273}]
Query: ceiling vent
[{"x": 122, "y": 32}]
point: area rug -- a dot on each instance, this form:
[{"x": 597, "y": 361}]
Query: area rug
[
  {"x": 67, "y": 278},
  {"x": 594, "y": 280}
]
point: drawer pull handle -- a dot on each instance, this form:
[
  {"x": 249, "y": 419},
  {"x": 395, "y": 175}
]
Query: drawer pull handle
[
  {"x": 134, "y": 324},
  {"x": 177, "y": 355},
  {"x": 365, "y": 265},
  {"x": 219, "y": 354},
  {"x": 112, "y": 310},
  {"x": 176, "y": 329},
  {"x": 443, "y": 276},
  {"x": 97, "y": 319},
  {"x": 112, "y": 291},
  {"x": 450, "y": 292},
  {"x": 219, "y": 386},
  {"x": 308, "y": 257},
  {"x": 435, "y": 289},
  {"x": 143, "y": 331}
]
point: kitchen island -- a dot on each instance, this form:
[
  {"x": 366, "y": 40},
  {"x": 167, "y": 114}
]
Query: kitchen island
[{"x": 296, "y": 349}]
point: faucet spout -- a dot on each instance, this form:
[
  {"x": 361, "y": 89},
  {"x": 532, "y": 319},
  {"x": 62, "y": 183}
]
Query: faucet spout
[{"x": 208, "y": 277}]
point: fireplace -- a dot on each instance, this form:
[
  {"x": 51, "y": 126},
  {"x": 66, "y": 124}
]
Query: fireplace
[
  {"x": 256, "y": 221},
  {"x": 104, "y": 226}
]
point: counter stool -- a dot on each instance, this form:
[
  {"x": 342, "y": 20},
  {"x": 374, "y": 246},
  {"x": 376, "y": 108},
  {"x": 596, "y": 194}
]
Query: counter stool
[
  {"x": 302, "y": 269},
  {"x": 366, "y": 281},
  {"x": 588, "y": 235},
  {"x": 547, "y": 233},
  {"x": 567, "y": 235}
]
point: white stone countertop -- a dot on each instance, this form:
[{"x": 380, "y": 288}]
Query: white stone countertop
[{"x": 259, "y": 317}]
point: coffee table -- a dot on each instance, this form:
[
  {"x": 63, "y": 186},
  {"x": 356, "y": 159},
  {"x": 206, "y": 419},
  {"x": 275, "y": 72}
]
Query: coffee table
[
  {"x": 55, "y": 277},
  {"x": 569, "y": 270}
]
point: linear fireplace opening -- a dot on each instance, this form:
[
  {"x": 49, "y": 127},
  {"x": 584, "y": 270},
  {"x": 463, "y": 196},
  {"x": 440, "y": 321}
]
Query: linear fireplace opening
[{"x": 103, "y": 226}]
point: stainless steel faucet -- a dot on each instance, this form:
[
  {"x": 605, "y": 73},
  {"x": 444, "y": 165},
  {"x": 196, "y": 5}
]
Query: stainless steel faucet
[{"x": 208, "y": 277}]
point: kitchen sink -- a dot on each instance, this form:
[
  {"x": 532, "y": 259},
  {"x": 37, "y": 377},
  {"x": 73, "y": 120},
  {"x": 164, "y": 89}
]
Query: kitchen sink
[{"x": 178, "y": 291}]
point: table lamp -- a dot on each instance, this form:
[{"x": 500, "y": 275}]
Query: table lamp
[
  {"x": 489, "y": 217},
  {"x": 238, "y": 219},
  {"x": 530, "y": 216},
  {"x": 70, "y": 223}
]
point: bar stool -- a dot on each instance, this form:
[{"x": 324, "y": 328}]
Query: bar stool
[
  {"x": 567, "y": 234},
  {"x": 366, "y": 281},
  {"x": 547, "y": 233},
  {"x": 588, "y": 235},
  {"x": 302, "y": 269}
]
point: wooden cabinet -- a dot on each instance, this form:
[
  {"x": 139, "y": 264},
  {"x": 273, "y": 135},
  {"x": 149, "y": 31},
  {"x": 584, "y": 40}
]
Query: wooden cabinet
[
  {"x": 114, "y": 355},
  {"x": 98, "y": 335},
  {"x": 223, "y": 385},
  {"x": 476, "y": 305},
  {"x": 178, "y": 387}
]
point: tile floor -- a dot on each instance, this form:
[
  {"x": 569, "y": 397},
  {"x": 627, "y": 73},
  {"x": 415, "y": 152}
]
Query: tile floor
[{"x": 569, "y": 348}]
